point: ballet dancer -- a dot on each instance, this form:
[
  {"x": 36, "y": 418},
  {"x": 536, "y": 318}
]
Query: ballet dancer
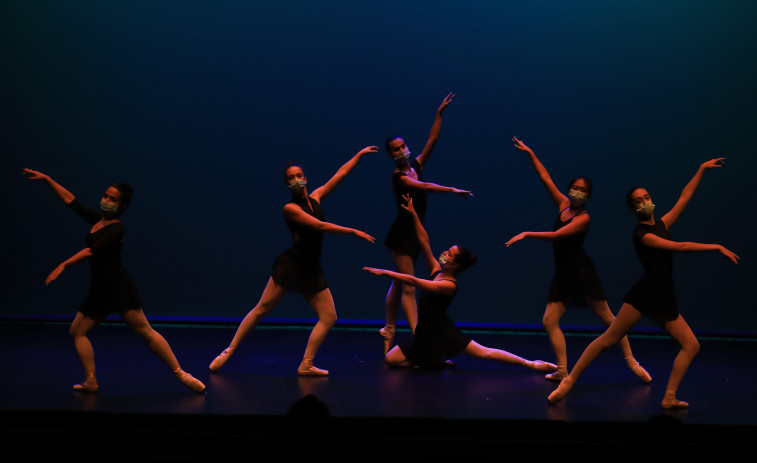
[
  {"x": 653, "y": 295},
  {"x": 111, "y": 289},
  {"x": 408, "y": 179},
  {"x": 575, "y": 282},
  {"x": 436, "y": 338},
  {"x": 298, "y": 269}
]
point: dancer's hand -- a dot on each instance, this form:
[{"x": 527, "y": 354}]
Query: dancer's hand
[
  {"x": 521, "y": 146},
  {"x": 729, "y": 255},
  {"x": 516, "y": 238},
  {"x": 55, "y": 274},
  {"x": 408, "y": 206},
  {"x": 375, "y": 271},
  {"x": 447, "y": 100},
  {"x": 35, "y": 175},
  {"x": 364, "y": 236},
  {"x": 461, "y": 193},
  {"x": 368, "y": 149},
  {"x": 713, "y": 163}
]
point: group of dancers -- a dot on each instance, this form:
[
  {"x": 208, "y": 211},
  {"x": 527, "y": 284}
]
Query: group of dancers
[{"x": 434, "y": 339}]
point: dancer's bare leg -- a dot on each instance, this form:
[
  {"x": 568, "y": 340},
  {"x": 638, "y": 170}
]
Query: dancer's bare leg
[
  {"x": 395, "y": 358},
  {"x": 487, "y": 353},
  {"x": 323, "y": 304},
  {"x": 681, "y": 332},
  {"x": 271, "y": 296},
  {"x": 397, "y": 295},
  {"x": 78, "y": 332},
  {"x": 551, "y": 321},
  {"x": 603, "y": 312}
]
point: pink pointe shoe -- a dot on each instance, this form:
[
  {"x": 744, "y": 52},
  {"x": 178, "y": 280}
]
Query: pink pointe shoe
[
  {"x": 89, "y": 384},
  {"x": 639, "y": 371},
  {"x": 307, "y": 369},
  {"x": 561, "y": 391},
  {"x": 222, "y": 358},
  {"x": 669, "y": 402},
  {"x": 387, "y": 332},
  {"x": 189, "y": 381}
]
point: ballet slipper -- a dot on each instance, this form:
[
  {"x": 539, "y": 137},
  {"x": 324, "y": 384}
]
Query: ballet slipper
[
  {"x": 89, "y": 384},
  {"x": 189, "y": 381},
  {"x": 561, "y": 391},
  {"x": 222, "y": 358},
  {"x": 638, "y": 370},
  {"x": 561, "y": 372},
  {"x": 387, "y": 332},
  {"x": 306, "y": 368},
  {"x": 540, "y": 365},
  {"x": 669, "y": 402}
]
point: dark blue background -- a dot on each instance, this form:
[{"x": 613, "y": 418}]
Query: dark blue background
[{"x": 200, "y": 103}]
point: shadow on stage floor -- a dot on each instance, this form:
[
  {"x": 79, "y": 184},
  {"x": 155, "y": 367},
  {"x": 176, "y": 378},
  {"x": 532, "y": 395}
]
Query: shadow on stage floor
[{"x": 258, "y": 409}]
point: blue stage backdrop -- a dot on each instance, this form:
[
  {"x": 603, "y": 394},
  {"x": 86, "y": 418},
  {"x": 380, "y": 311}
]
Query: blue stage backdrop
[{"x": 199, "y": 104}]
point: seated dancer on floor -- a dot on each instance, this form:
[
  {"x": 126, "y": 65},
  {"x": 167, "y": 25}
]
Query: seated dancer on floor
[
  {"x": 653, "y": 295},
  {"x": 111, "y": 289},
  {"x": 298, "y": 269},
  {"x": 576, "y": 282},
  {"x": 436, "y": 338}
]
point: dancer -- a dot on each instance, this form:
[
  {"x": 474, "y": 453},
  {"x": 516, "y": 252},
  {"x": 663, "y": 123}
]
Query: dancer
[
  {"x": 436, "y": 338},
  {"x": 408, "y": 179},
  {"x": 575, "y": 282},
  {"x": 298, "y": 269},
  {"x": 111, "y": 289},
  {"x": 653, "y": 295}
]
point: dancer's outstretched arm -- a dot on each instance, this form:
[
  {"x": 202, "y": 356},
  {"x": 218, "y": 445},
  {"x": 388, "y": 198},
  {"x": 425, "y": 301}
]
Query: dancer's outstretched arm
[
  {"x": 327, "y": 188},
  {"x": 61, "y": 192},
  {"x": 433, "y": 135},
  {"x": 652, "y": 240},
  {"x": 688, "y": 191},
  {"x": 295, "y": 213},
  {"x": 579, "y": 224},
  {"x": 560, "y": 199}
]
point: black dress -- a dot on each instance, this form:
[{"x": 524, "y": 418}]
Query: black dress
[
  {"x": 402, "y": 236},
  {"x": 436, "y": 337},
  {"x": 654, "y": 294},
  {"x": 298, "y": 269},
  {"x": 111, "y": 289},
  {"x": 575, "y": 280}
]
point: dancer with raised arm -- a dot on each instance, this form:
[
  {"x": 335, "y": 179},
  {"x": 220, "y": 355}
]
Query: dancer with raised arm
[
  {"x": 111, "y": 289},
  {"x": 436, "y": 338},
  {"x": 298, "y": 269},
  {"x": 408, "y": 179},
  {"x": 575, "y": 282},
  {"x": 653, "y": 295}
]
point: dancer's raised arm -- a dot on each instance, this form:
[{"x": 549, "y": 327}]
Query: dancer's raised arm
[
  {"x": 322, "y": 192},
  {"x": 688, "y": 191},
  {"x": 554, "y": 192},
  {"x": 61, "y": 192},
  {"x": 433, "y": 135}
]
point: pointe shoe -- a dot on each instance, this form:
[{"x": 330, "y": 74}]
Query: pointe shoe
[
  {"x": 307, "y": 369},
  {"x": 561, "y": 391},
  {"x": 669, "y": 402},
  {"x": 189, "y": 381},
  {"x": 387, "y": 332},
  {"x": 89, "y": 385},
  {"x": 558, "y": 375},
  {"x": 639, "y": 371},
  {"x": 222, "y": 358},
  {"x": 540, "y": 365}
]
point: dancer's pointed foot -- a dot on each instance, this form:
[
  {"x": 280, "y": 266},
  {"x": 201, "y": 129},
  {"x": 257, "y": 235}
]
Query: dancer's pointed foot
[
  {"x": 222, "y": 358},
  {"x": 561, "y": 391},
  {"x": 540, "y": 365},
  {"x": 669, "y": 402},
  {"x": 387, "y": 332},
  {"x": 89, "y": 384},
  {"x": 638, "y": 370},
  {"x": 307, "y": 369},
  {"x": 189, "y": 381},
  {"x": 561, "y": 372}
]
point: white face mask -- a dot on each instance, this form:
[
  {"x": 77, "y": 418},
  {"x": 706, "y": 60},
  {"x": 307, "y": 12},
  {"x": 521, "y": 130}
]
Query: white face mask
[
  {"x": 297, "y": 185},
  {"x": 578, "y": 197},
  {"x": 443, "y": 260},
  {"x": 645, "y": 211},
  {"x": 403, "y": 154},
  {"x": 105, "y": 206}
]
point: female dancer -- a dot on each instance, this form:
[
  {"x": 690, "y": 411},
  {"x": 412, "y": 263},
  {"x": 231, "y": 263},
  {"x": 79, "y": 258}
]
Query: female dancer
[
  {"x": 111, "y": 289},
  {"x": 436, "y": 337},
  {"x": 653, "y": 295},
  {"x": 407, "y": 179},
  {"x": 298, "y": 269},
  {"x": 575, "y": 282}
]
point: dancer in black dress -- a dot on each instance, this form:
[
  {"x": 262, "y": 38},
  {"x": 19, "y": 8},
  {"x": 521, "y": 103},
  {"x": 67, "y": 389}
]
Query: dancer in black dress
[
  {"x": 298, "y": 269},
  {"x": 111, "y": 289},
  {"x": 401, "y": 240},
  {"x": 654, "y": 294},
  {"x": 436, "y": 338},
  {"x": 575, "y": 283}
]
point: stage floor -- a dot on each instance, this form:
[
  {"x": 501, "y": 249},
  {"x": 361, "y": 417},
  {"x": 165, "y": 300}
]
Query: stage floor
[{"x": 259, "y": 385}]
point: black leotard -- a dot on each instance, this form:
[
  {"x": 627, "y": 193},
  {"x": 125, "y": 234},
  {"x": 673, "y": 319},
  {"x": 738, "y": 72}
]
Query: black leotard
[
  {"x": 111, "y": 289},
  {"x": 436, "y": 337},
  {"x": 298, "y": 269},
  {"x": 654, "y": 294},
  {"x": 575, "y": 280},
  {"x": 402, "y": 236}
]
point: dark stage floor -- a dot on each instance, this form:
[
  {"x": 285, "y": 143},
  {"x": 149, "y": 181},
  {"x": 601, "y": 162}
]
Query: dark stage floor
[{"x": 253, "y": 411}]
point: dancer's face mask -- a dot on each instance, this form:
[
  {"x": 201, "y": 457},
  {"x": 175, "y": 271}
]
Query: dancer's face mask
[
  {"x": 403, "y": 154},
  {"x": 645, "y": 211},
  {"x": 578, "y": 197},
  {"x": 296, "y": 186},
  {"x": 109, "y": 209}
]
